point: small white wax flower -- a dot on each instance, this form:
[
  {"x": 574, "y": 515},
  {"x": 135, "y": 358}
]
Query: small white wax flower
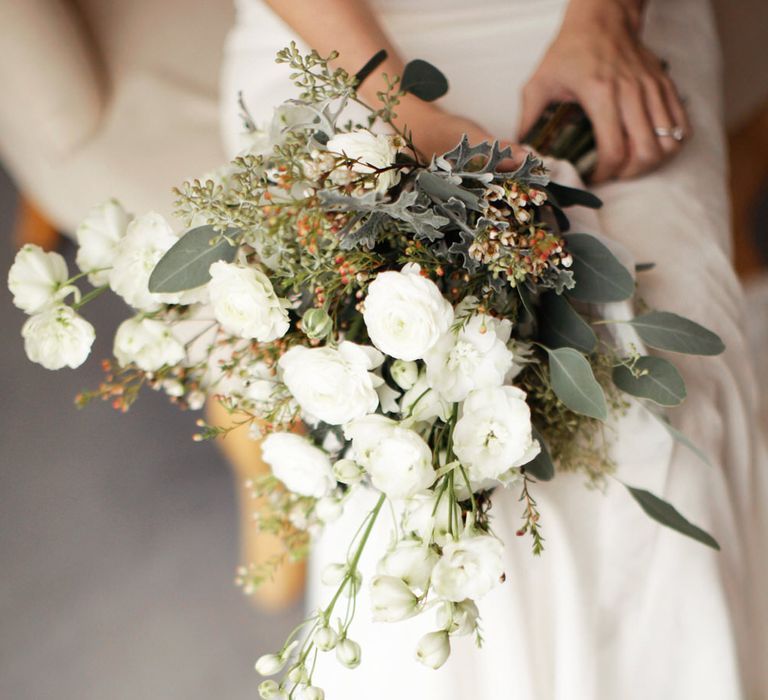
[
  {"x": 334, "y": 385},
  {"x": 405, "y": 313},
  {"x": 427, "y": 519},
  {"x": 474, "y": 358},
  {"x": 147, "y": 343},
  {"x": 494, "y": 433},
  {"x": 97, "y": 237},
  {"x": 146, "y": 240},
  {"x": 302, "y": 467},
  {"x": 58, "y": 337},
  {"x": 348, "y": 653},
  {"x": 325, "y": 638},
  {"x": 397, "y": 459},
  {"x": 245, "y": 304},
  {"x": 405, "y": 373},
  {"x": 333, "y": 574},
  {"x": 36, "y": 278},
  {"x": 410, "y": 560},
  {"x": 370, "y": 152},
  {"x": 270, "y": 690},
  {"x": 468, "y": 568},
  {"x": 434, "y": 649},
  {"x": 391, "y": 599}
]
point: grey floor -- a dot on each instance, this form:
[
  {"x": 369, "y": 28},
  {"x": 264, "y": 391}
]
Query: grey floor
[{"x": 117, "y": 539}]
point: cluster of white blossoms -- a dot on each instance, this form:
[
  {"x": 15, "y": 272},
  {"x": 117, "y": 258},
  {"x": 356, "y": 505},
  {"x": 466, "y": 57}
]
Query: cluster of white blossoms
[{"x": 453, "y": 365}]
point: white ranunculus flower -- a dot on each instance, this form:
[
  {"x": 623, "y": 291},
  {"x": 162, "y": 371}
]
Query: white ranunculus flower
[
  {"x": 411, "y": 561},
  {"x": 397, "y": 459},
  {"x": 423, "y": 403},
  {"x": 434, "y": 649},
  {"x": 494, "y": 433},
  {"x": 36, "y": 278},
  {"x": 468, "y": 568},
  {"x": 474, "y": 358},
  {"x": 334, "y": 385},
  {"x": 97, "y": 236},
  {"x": 302, "y": 467},
  {"x": 147, "y": 343},
  {"x": 391, "y": 599},
  {"x": 405, "y": 313},
  {"x": 245, "y": 303},
  {"x": 146, "y": 240},
  {"x": 371, "y": 151},
  {"x": 58, "y": 337}
]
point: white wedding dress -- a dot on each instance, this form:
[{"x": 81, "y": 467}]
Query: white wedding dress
[{"x": 617, "y": 607}]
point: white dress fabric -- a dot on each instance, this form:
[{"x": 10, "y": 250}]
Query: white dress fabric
[{"x": 617, "y": 607}]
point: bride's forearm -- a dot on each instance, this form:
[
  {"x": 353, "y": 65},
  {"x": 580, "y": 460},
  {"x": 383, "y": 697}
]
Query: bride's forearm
[{"x": 629, "y": 11}]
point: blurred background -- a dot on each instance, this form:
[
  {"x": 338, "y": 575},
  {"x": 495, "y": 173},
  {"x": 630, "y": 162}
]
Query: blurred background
[{"x": 118, "y": 534}]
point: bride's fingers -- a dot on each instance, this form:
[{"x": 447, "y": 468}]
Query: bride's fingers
[
  {"x": 662, "y": 117},
  {"x": 675, "y": 106},
  {"x": 599, "y": 101},
  {"x": 645, "y": 152},
  {"x": 534, "y": 101}
]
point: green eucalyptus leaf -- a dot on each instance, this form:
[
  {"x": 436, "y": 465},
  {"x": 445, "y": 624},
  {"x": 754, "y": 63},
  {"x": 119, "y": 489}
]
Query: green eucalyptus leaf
[
  {"x": 668, "y": 515},
  {"x": 667, "y": 331},
  {"x": 560, "y": 325},
  {"x": 185, "y": 265},
  {"x": 660, "y": 381},
  {"x": 423, "y": 80},
  {"x": 541, "y": 467},
  {"x": 574, "y": 383},
  {"x": 599, "y": 276},
  {"x": 565, "y": 196},
  {"x": 682, "y": 438}
]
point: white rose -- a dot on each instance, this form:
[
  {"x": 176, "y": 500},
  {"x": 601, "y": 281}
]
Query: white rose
[
  {"x": 397, "y": 459},
  {"x": 474, "y": 358},
  {"x": 58, "y": 337},
  {"x": 494, "y": 433},
  {"x": 36, "y": 278},
  {"x": 434, "y": 649},
  {"x": 333, "y": 385},
  {"x": 147, "y": 239},
  {"x": 468, "y": 568},
  {"x": 97, "y": 236},
  {"x": 405, "y": 313},
  {"x": 245, "y": 303},
  {"x": 410, "y": 561},
  {"x": 371, "y": 151},
  {"x": 302, "y": 467},
  {"x": 392, "y": 600},
  {"x": 147, "y": 343}
]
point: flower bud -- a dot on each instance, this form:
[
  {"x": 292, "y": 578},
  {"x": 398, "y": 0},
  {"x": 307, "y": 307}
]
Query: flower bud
[
  {"x": 347, "y": 471},
  {"x": 269, "y": 664},
  {"x": 298, "y": 674},
  {"x": 325, "y": 638},
  {"x": 458, "y": 618},
  {"x": 433, "y": 649},
  {"x": 348, "y": 653},
  {"x": 310, "y": 692},
  {"x": 270, "y": 690},
  {"x": 333, "y": 574},
  {"x": 391, "y": 599},
  {"x": 405, "y": 373},
  {"x": 316, "y": 324}
]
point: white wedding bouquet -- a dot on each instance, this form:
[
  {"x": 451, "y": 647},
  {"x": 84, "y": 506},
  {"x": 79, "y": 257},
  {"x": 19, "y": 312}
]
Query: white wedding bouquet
[{"x": 430, "y": 331}]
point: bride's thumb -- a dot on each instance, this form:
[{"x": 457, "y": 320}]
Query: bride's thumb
[{"x": 534, "y": 101}]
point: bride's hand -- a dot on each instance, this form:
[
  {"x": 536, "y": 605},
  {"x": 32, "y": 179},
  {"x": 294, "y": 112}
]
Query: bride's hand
[
  {"x": 598, "y": 60},
  {"x": 435, "y": 131}
]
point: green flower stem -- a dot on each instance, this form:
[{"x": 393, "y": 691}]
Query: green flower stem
[{"x": 90, "y": 296}]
